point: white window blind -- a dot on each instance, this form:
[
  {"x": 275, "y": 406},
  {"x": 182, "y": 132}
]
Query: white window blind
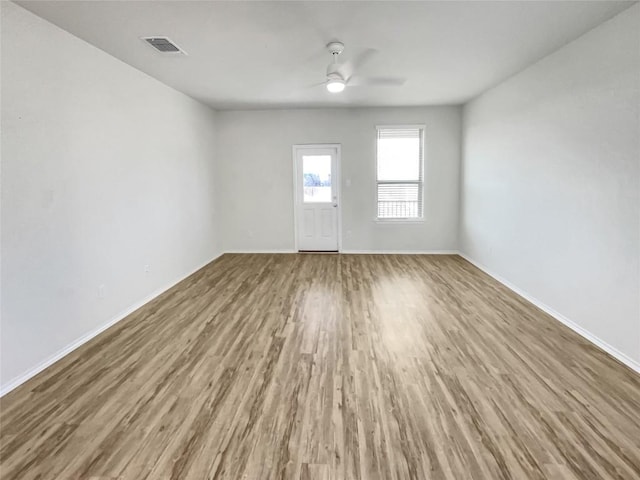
[{"x": 400, "y": 172}]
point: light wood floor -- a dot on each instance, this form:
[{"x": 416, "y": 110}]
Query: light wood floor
[{"x": 329, "y": 367}]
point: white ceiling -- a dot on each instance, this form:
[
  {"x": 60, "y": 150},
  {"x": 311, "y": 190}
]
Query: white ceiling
[{"x": 268, "y": 54}]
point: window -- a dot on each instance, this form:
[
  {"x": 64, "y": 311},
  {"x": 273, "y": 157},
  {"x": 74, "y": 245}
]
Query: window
[
  {"x": 399, "y": 172},
  {"x": 316, "y": 172}
]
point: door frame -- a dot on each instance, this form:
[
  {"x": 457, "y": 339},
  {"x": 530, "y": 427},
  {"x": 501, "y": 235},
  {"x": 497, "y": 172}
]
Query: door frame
[{"x": 338, "y": 176}]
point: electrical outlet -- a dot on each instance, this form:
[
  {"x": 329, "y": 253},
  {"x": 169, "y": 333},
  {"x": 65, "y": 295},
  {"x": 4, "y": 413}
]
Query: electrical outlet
[
  {"x": 102, "y": 291},
  {"x": 147, "y": 268}
]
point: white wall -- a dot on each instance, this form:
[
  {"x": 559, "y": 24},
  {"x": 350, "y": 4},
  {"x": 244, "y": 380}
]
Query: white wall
[
  {"x": 255, "y": 170},
  {"x": 104, "y": 170},
  {"x": 550, "y": 196}
]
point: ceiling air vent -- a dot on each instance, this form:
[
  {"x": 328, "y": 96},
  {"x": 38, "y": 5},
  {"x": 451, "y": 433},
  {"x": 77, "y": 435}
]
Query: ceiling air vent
[{"x": 164, "y": 45}]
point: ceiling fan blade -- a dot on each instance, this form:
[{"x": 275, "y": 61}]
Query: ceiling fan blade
[
  {"x": 363, "y": 57},
  {"x": 314, "y": 85},
  {"x": 376, "y": 81},
  {"x": 348, "y": 67}
]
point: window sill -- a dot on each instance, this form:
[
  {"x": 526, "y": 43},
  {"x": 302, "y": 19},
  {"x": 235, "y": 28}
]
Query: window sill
[{"x": 396, "y": 221}]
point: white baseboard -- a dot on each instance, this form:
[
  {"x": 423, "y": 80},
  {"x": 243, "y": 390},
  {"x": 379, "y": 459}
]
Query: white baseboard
[
  {"x": 360, "y": 252},
  {"x": 400, "y": 252},
  {"x": 284, "y": 250},
  {"x": 614, "y": 352},
  {"x": 12, "y": 384}
]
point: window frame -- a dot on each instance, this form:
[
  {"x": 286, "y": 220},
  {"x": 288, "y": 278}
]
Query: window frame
[{"x": 420, "y": 182}]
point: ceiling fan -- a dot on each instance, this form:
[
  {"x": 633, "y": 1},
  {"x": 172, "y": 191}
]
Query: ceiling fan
[{"x": 341, "y": 75}]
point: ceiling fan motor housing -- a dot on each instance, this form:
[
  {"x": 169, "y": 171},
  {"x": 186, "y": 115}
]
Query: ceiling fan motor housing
[
  {"x": 333, "y": 70},
  {"x": 335, "y": 79}
]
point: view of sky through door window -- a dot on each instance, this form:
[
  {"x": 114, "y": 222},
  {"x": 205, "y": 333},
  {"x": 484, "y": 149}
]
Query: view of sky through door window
[{"x": 316, "y": 173}]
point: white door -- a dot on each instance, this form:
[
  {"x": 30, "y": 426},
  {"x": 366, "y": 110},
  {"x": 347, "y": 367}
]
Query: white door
[{"x": 317, "y": 207}]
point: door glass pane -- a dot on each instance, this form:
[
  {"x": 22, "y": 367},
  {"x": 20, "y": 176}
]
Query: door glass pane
[{"x": 316, "y": 175}]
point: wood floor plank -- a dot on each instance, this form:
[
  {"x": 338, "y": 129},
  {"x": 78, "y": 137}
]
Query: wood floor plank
[{"x": 332, "y": 367}]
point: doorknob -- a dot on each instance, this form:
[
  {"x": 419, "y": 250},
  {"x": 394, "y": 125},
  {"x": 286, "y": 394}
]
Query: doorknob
[{"x": 335, "y": 204}]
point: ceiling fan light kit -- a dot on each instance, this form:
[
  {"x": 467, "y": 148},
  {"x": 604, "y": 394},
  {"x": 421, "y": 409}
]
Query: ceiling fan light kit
[
  {"x": 335, "y": 86},
  {"x": 335, "y": 83}
]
